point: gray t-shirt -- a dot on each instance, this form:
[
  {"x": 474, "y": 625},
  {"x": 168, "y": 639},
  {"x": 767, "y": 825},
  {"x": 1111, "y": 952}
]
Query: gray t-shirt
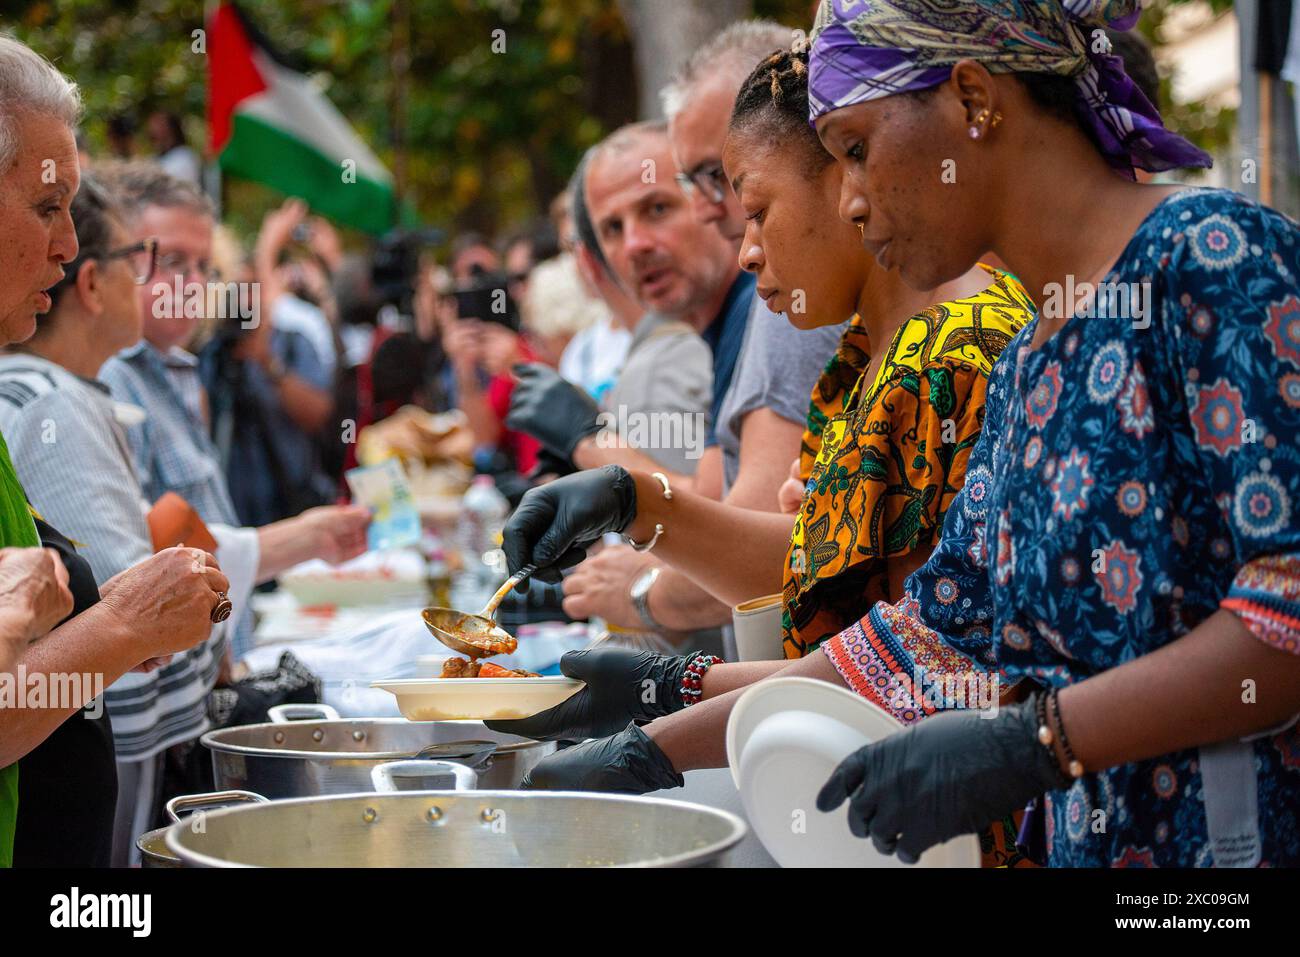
[
  {"x": 660, "y": 403},
  {"x": 777, "y": 369}
]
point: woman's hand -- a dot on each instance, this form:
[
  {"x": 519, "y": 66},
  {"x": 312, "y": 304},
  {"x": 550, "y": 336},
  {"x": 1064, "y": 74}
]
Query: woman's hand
[
  {"x": 951, "y": 774},
  {"x": 165, "y": 602},
  {"x": 500, "y": 349},
  {"x": 34, "y": 596},
  {"x": 622, "y": 685},
  {"x": 337, "y": 532},
  {"x": 627, "y": 763},
  {"x": 790, "y": 495},
  {"x": 556, "y": 522},
  {"x": 278, "y": 225}
]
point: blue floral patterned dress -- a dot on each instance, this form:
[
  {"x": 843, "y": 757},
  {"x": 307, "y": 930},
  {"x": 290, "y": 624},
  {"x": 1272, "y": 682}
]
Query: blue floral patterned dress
[{"x": 1137, "y": 472}]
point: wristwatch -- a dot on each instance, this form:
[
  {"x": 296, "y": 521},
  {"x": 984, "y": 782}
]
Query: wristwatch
[{"x": 640, "y": 595}]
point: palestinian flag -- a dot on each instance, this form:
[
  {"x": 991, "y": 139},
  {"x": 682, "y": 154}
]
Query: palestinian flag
[{"x": 270, "y": 124}]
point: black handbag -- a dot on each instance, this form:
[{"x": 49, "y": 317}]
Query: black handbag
[{"x": 187, "y": 768}]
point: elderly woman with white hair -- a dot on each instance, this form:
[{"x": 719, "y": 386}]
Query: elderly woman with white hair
[
  {"x": 557, "y": 307},
  {"x": 58, "y": 808}
]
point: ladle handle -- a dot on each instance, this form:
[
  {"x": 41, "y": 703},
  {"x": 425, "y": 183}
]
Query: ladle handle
[{"x": 490, "y": 610}]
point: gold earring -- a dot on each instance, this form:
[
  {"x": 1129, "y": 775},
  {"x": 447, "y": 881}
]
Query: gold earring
[
  {"x": 981, "y": 117},
  {"x": 862, "y": 230}
]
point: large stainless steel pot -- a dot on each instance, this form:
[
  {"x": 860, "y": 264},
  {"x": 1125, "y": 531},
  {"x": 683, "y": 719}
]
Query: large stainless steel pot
[
  {"x": 385, "y": 778},
  {"x": 332, "y": 755},
  {"x": 460, "y": 829},
  {"x": 153, "y": 844}
]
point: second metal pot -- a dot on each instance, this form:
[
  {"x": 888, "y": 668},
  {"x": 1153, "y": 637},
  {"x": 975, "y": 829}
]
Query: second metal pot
[{"x": 332, "y": 755}]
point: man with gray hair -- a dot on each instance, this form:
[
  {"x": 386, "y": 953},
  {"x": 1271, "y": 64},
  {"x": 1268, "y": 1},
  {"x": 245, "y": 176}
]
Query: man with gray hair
[
  {"x": 680, "y": 273},
  {"x": 697, "y": 102},
  {"x": 765, "y": 405}
]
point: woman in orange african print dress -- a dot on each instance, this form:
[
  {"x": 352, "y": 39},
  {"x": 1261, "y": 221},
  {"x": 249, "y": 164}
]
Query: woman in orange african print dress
[{"x": 891, "y": 458}]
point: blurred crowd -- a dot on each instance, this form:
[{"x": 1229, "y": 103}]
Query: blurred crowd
[{"x": 704, "y": 375}]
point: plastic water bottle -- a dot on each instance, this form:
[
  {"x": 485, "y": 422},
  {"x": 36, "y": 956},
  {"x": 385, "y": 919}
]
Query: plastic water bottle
[{"x": 483, "y": 515}]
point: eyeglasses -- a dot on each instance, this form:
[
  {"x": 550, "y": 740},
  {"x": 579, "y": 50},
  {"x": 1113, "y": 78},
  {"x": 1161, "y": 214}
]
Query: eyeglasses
[
  {"x": 178, "y": 264},
  {"x": 708, "y": 177},
  {"x": 142, "y": 257}
]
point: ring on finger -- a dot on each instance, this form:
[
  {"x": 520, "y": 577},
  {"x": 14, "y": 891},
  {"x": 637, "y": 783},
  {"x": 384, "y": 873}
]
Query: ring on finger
[{"x": 221, "y": 611}]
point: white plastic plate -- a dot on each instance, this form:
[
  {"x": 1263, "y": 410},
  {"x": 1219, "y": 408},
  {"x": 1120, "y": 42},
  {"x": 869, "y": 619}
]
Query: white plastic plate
[
  {"x": 784, "y": 739},
  {"x": 483, "y": 699}
]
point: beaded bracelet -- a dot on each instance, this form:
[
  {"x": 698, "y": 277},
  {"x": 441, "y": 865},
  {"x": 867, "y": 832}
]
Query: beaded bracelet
[
  {"x": 1043, "y": 702},
  {"x": 693, "y": 678},
  {"x": 1073, "y": 766}
]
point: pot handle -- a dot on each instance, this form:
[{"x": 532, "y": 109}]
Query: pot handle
[
  {"x": 284, "y": 713},
  {"x": 197, "y": 802},
  {"x": 419, "y": 775}
]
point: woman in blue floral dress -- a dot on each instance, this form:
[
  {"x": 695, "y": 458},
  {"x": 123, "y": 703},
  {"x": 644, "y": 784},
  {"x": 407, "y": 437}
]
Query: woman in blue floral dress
[{"x": 1129, "y": 532}]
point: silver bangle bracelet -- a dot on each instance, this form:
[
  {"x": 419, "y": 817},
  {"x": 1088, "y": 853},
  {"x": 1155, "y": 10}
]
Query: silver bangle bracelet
[{"x": 659, "y": 529}]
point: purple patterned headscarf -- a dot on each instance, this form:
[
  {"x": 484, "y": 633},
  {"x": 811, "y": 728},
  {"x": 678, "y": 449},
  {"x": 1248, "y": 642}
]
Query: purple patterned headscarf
[{"x": 867, "y": 49}]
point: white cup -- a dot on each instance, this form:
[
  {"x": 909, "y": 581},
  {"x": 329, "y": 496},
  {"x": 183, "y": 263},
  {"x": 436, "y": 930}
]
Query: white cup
[{"x": 757, "y": 624}]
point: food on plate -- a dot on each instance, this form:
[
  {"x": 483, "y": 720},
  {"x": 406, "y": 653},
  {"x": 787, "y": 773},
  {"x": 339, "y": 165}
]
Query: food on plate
[
  {"x": 469, "y": 668},
  {"x": 487, "y": 669},
  {"x": 459, "y": 668}
]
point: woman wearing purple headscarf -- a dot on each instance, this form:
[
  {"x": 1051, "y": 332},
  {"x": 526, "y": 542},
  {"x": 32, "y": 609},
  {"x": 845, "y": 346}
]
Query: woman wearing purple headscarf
[{"x": 1127, "y": 543}]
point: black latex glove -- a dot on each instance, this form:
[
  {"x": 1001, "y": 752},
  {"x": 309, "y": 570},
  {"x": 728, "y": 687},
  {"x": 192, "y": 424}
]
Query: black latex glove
[
  {"x": 627, "y": 762},
  {"x": 551, "y": 409},
  {"x": 622, "y": 685},
  {"x": 555, "y": 522},
  {"x": 951, "y": 774},
  {"x": 548, "y": 463}
]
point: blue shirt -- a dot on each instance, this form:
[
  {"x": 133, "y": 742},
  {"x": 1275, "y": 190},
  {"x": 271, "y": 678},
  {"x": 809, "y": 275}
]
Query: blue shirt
[
  {"x": 172, "y": 450},
  {"x": 252, "y": 425},
  {"x": 725, "y": 335}
]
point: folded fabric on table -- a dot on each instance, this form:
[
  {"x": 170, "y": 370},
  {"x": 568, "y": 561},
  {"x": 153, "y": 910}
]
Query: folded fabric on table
[{"x": 397, "y": 645}]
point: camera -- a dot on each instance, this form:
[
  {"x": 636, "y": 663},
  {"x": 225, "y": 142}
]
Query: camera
[
  {"x": 395, "y": 265},
  {"x": 486, "y": 297}
]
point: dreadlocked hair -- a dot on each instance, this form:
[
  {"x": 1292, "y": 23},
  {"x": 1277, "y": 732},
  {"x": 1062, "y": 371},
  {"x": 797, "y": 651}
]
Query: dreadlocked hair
[{"x": 774, "y": 100}]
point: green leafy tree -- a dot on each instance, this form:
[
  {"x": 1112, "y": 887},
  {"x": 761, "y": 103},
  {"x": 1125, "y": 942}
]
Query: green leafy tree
[{"x": 482, "y": 128}]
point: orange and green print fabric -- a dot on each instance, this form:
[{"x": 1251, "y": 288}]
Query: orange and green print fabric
[
  {"x": 890, "y": 461},
  {"x": 831, "y": 393}
]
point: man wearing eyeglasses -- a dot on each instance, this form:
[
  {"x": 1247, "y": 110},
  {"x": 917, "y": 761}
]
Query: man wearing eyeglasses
[
  {"x": 172, "y": 446},
  {"x": 768, "y": 367}
]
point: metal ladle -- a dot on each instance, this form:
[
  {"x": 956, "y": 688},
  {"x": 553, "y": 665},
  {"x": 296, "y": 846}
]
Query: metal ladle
[
  {"x": 476, "y": 636},
  {"x": 472, "y": 754}
]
